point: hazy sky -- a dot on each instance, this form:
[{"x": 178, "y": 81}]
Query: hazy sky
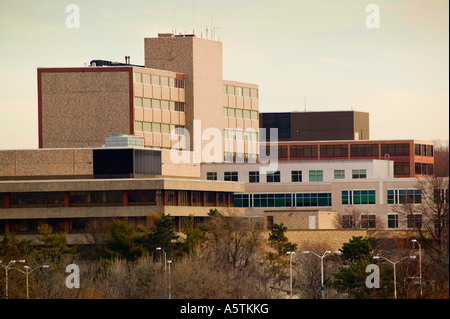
[{"x": 321, "y": 49}]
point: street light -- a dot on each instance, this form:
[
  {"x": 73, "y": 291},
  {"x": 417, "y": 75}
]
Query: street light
[
  {"x": 290, "y": 253},
  {"x": 394, "y": 263},
  {"x": 7, "y": 267},
  {"x": 165, "y": 262},
  {"x": 326, "y": 253},
  {"x": 420, "y": 263},
  {"x": 27, "y": 272},
  {"x": 169, "y": 262}
]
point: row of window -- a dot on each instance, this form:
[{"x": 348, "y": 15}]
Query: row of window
[
  {"x": 158, "y": 80},
  {"x": 423, "y": 150},
  {"x": 240, "y": 135},
  {"x": 158, "y": 104},
  {"x": 240, "y": 91},
  {"x": 283, "y": 200},
  {"x": 341, "y": 150},
  {"x": 370, "y": 221},
  {"x": 358, "y": 197},
  {"x": 164, "y": 128},
  {"x": 296, "y": 176},
  {"x": 235, "y": 157},
  {"x": 116, "y": 198},
  {"x": 240, "y": 113}
]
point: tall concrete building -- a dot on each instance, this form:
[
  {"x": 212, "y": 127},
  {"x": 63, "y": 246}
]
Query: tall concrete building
[{"x": 180, "y": 87}]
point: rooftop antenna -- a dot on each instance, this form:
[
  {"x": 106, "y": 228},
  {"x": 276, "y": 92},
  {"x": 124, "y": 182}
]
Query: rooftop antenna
[
  {"x": 193, "y": 32},
  {"x": 305, "y": 103}
]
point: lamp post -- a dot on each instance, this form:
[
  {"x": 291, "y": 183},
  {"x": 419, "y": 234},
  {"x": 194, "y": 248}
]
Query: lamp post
[
  {"x": 290, "y": 253},
  {"x": 394, "y": 263},
  {"x": 7, "y": 267},
  {"x": 165, "y": 262},
  {"x": 169, "y": 262},
  {"x": 27, "y": 272},
  {"x": 326, "y": 253},
  {"x": 420, "y": 263}
]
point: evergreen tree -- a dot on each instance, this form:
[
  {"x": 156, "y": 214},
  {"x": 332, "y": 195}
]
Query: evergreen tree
[
  {"x": 53, "y": 245},
  {"x": 279, "y": 241}
]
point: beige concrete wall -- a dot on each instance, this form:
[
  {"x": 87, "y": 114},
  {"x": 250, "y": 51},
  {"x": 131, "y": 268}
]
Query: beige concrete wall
[
  {"x": 81, "y": 109},
  {"x": 296, "y": 219},
  {"x": 46, "y": 162}
]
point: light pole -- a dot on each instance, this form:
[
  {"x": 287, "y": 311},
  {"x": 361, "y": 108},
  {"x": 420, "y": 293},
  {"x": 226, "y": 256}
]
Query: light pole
[
  {"x": 394, "y": 263},
  {"x": 290, "y": 253},
  {"x": 165, "y": 262},
  {"x": 169, "y": 262},
  {"x": 27, "y": 272},
  {"x": 7, "y": 267},
  {"x": 326, "y": 253},
  {"x": 420, "y": 263}
]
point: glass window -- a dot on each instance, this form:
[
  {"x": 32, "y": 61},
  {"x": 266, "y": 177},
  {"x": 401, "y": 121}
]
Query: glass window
[
  {"x": 238, "y": 91},
  {"x": 164, "y": 105},
  {"x": 339, "y": 174},
  {"x": 392, "y": 220},
  {"x": 146, "y": 78},
  {"x": 254, "y": 93},
  {"x": 147, "y": 127},
  {"x": 137, "y": 77},
  {"x": 137, "y": 101},
  {"x": 368, "y": 221},
  {"x": 253, "y": 177},
  {"x": 230, "y": 90},
  {"x": 164, "y": 81},
  {"x": 147, "y": 103},
  {"x": 347, "y": 221},
  {"x": 273, "y": 177},
  {"x": 224, "y": 89},
  {"x": 211, "y": 176},
  {"x": 156, "y": 104},
  {"x": 333, "y": 151},
  {"x": 165, "y": 128},
  {"x": 179, "y": 106},
  {"x": 225, "y": 111},
  {"x": 241, "y": 200},
  {"x": 303, "y": 151},
  {"x": 359, "y": 173},
  {"x": 316, "y": 176},
  {"x": 313, "y": 199},
  {"x": 156, "y": 127},
  {"x": 246, "y": 92},
  {"x": 230, "y": 176},
  {"x": 239, "y": 113},
  {"x": 364, "y": 150},
  {"x": 296, "y": 176},
  {"x": 172, "y": 82},
  {"x": 155, "y": 79},
  {"x": 137, "y": 126},
  {"x": 172, "y": 105},
  {"x": 414, "y": 221},
  {"x": 230, "y": 112},
  {"x": 246, "y": 114},
  {"x": 254, "y": 115}
]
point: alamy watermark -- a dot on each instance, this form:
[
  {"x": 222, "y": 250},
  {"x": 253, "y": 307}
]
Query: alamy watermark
[{"x": 73, "y": 18}]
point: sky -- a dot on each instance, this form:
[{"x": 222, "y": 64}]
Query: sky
[{"x": 321, "y": 51}]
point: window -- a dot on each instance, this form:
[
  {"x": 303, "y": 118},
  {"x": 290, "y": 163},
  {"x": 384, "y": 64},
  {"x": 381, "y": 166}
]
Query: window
[
  {"x": 282, "y": 152},
  {"x": 254, "y": 115},
  {"x": 165, "y": 128},
  {"x": 364, "y": 150},
  {"x": 156, "y": 104},
  {"x": 239, "y": 114},
  {"x": 137, "y": 101},
  {"x": 339, "y": 174},
  {"x": 230, "y": 90},
  {"x": 211, "y": 176},
  {"x": 273, "y": 177},
  {"x": 368, "y": 221},
  {"x": 147, "y": 103},
  {"x": 224, "y": 89},
  {"x": 333, "y": 151},
  {"x": 164, "y": 81},
  {"x": 230, "y": 112},
  {"x": 179, "y": 106},
  {"x": 423, "y": 150},
  {"x": 146, "y": 78},
  {"x": 241, "y": 200},
  {"x": 401, "y": 168},
  {"x": 296, "y": 176},
  {"x": 359, "y": 173},
  {"x": 254, "y": 93},
  {"x": 253, "y": 177},
  {"x": 147, "y": 127},
  {"x": 231, "y": 176},
  {"x": 137, "y": 126},
  {"x": 313, "y": 199},
  {"x": 238, "y": 91},
  {"x": 155, "y": 79},
  {"x": 423, "y": 169},
  {"x": 246, "y": 114},
  {"x": 172, "y": 82},
  {"x": 358, "y": 197},
  {"x": 138, "y": 77},
  {"x": 172, "y": 105},
  {"x": 164, "y": 105},
  {"x": 272, "y": 200},
  {"x": 392, "y": 221},
  {"x": 395, "y": 149},
  {"x": 414, "y": 221},
  {"x": 303, "y": 151},
  {"x": 316, "y": 176},
  {"x": 347, "y": 221},
  {"x": 156, "y": 127},
  {"x": 403, "y": 196}
]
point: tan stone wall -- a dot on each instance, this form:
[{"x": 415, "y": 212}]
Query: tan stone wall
[
  {"x": 46, "y": 162},
  {"x": 295, "y": 219},
  {"x": 81, "y": 108}
]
